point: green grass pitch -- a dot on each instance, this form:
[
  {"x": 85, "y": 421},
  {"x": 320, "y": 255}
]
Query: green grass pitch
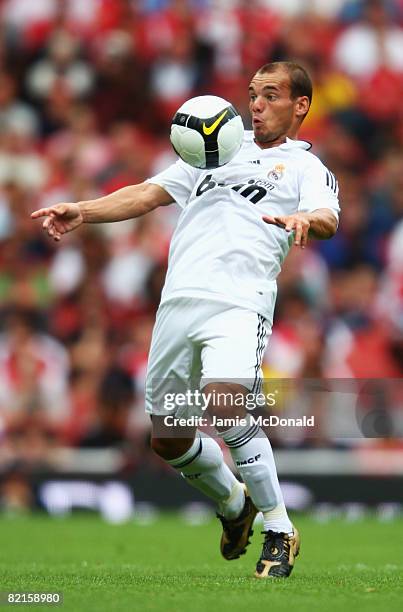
[{"x": 171, "y": 566}]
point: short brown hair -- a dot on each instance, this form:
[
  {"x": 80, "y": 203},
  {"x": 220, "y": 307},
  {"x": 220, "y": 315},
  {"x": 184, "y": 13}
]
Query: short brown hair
[{"x": 300, "y": 81}]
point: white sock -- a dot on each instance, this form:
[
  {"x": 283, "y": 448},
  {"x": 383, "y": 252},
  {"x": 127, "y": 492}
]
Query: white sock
[
  {"x": 253, "y": 457},
  {"x": 204, "y": 468},
  {"x": 277, "y": 520}
]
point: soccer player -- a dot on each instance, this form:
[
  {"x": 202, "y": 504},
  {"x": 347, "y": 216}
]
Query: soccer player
[{"x": 237, "y": 224}]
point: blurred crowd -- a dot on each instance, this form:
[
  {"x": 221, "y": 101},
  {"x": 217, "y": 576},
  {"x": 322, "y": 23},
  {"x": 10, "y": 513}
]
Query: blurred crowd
[{"x": 87, "y": 92}]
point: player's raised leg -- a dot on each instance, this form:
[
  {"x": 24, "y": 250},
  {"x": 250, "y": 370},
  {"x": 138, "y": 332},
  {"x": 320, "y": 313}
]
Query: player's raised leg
[{"x": 198, "y": 459}]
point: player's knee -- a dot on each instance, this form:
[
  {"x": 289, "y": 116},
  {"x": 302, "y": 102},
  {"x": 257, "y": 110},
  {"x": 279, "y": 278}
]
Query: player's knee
[
  {"x": 225, "y": 400},
  {"x": 170, "y": 448},
  {"x": 162, "y": 446}
]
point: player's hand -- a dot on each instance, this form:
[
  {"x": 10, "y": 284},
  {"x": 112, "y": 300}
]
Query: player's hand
[
  {"x": 299, "y": 223},
  {"x": 60, "y": 219}
]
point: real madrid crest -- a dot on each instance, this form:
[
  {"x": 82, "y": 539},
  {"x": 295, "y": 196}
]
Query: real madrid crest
[{"x": 277, "y": 173}]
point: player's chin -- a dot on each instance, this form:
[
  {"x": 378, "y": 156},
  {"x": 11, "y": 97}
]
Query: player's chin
[
  {"x": 262, "y": 137},
  {"x": 260, "y": 133}
]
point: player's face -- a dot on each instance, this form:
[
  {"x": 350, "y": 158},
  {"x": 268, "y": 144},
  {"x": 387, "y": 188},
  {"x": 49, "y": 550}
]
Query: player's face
[{"x": 274, "y": 113}]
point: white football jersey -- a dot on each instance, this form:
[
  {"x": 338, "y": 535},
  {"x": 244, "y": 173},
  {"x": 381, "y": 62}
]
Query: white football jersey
[{"x": 221, "y": 248}]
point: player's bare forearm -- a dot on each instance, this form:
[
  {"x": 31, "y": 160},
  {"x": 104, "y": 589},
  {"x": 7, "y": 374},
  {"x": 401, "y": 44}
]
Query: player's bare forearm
[
  {"x": 126, "y": 203},
  {"x": 320, "y": 223}
]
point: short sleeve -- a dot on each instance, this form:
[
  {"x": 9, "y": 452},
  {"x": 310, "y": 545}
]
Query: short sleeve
[
  {"x": 318, "y": 188},
  {"x": 178, "y": 180}
]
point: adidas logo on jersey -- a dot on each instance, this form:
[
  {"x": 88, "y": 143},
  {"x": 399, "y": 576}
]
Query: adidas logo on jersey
[{"x": 249, "y": 460}]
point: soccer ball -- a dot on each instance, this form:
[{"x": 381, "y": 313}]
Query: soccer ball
[{"x": 206, "y": 132}]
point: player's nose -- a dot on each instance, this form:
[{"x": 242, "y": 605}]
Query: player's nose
[{"x": 258, "y": 104}]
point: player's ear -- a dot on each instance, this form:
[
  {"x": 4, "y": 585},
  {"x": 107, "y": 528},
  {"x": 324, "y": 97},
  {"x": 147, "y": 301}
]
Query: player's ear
[{"x": 302, "y": 106}]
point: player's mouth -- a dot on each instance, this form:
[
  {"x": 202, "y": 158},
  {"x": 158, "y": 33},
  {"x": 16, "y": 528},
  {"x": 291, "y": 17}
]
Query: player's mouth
[{"x": 257, "y": 122}]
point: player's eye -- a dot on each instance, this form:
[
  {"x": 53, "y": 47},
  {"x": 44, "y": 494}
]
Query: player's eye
[{"x": 271, "y": 97}]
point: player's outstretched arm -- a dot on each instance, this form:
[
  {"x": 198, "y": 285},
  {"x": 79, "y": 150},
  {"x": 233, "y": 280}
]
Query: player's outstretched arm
[
  {"x": 126, "y": 203},
  {"x": 320, "y": 223}
]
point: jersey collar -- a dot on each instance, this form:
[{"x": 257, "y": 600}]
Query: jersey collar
[
  {"x": 287, "y": 145},
  {"x": 296, "y": 144}
]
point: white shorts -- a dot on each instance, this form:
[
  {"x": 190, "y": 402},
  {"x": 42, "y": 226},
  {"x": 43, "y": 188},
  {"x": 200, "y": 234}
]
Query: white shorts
[{"x": 197, "y": 341}]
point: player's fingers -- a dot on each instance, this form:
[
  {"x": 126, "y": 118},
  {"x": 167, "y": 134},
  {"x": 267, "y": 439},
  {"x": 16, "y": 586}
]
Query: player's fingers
[
  {"x": 50, "y": 227},
  {"x": 298, "y": 234},
  {"x": 60, "y": 226},
  {"x": 47, "y": 223},
  {"x": 304, "y": 237},
  {"x": 54, "y": 211},
  {"x": 281, "y": 221},
  {"x": 54, "y": 231},
  {"x": 290, "y": 224},
  {"x": 54, "y": 234},
  {"x": 41, "y": 212},
  {"x": 269, "y": 219},
  {"x": 278, "y": 221}
]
